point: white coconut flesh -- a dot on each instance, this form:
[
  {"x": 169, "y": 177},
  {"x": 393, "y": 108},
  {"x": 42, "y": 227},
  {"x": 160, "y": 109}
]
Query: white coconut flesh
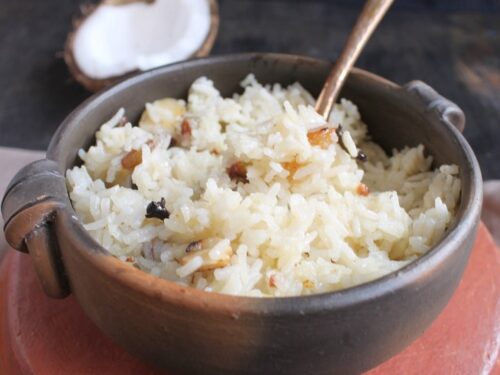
[{"x": 117, "y": 39}]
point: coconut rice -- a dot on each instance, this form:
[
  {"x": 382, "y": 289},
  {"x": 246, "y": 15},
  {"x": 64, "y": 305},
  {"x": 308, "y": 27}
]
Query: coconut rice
[{"x": 257, "y": 195}]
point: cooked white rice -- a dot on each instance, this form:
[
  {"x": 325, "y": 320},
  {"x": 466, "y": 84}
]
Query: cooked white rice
[{"x": 299, "y": 221}]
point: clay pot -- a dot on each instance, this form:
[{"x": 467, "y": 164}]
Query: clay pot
[{"x": 186, "y": 330}]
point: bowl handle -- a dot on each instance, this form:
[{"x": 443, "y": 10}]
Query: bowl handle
[
  {"x": 433, "y": 102},
  {"x": 32, "y": 201}
]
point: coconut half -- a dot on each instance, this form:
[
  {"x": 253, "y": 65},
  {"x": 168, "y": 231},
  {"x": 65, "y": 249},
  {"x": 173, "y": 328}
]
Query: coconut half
[{"x": 116, "y": 38}]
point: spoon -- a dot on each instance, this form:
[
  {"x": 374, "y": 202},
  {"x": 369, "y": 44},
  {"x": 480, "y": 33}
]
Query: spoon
[{"x": 370, "y": 17}]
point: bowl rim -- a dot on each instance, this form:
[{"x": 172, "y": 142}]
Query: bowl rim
[{"x": 171, "y": 292}]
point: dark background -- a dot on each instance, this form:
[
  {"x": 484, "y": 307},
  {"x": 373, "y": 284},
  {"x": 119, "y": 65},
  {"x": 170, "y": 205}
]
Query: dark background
[{"x": 453, "y": 45}]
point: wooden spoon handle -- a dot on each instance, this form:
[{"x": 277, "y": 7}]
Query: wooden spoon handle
[{"x": 370, "y": 16}]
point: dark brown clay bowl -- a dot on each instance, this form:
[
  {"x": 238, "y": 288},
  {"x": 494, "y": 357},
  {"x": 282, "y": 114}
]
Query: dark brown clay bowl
[{"x": 186, "y": 330}]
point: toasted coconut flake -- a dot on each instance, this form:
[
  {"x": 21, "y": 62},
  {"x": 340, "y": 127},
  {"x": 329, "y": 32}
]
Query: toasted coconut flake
[
  {"x": 363, "y": 190},
  {"x": 185, "y": 128},
  {"x": 238, "y": 172},
  {"x": 291, "y": 167},
  {"x": 132, "y": 159},
  {"x": 322, "y": 137},
  {"x": 123, "y": 177}
]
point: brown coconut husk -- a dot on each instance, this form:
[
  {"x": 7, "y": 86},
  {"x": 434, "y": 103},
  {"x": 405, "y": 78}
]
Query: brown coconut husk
[{"x": 93, "y": 84}]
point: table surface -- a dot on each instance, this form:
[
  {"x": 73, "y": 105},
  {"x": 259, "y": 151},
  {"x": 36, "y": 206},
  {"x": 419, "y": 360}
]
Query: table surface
[{"x": 454, "y": 45}]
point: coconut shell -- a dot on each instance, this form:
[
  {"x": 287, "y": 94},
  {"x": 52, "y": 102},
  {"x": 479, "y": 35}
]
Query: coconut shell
[{"x": 93, "y": 84}]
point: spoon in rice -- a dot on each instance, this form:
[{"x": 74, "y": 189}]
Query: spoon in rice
[{"x": 371, "y": 15}]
